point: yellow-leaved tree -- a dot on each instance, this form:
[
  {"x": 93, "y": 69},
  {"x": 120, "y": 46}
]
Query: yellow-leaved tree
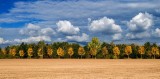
[
  {"x": 4, "y": 51},
  {"x": 12, "y": 52},
  {"x": 60, "y": 52},
  {"x": 94, "y": 46},
  {"x": 70, "y": 51},
  {"x": 21, "y": 53},
  {"x": 81, "y": 51},
  {"x": 141, "y": 50},
  {"x": 104, "y": 51},
  {"x": 49, "y": 51},
  {"x": 116, "y": 51},
  {"x": 40, "y": 53},
  {"x": 155, "y": 51},
  {"x": 128, "y": 50},
  {"x": 30, "y": 52}
]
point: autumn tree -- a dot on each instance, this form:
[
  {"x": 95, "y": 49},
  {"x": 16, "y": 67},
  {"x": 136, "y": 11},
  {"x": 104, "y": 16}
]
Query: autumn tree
[
  {"x": 21, "y": 53},
  {"x": 60, "y": 52},
  {"x": 41, "y": 45},
  {"x": 30, "y": 52},
  {"x": 49, "y": 51},
  {"x": 70, "y": 51},
  {"x": 40, "y": 53},
  {"x": 116, "y": 51},
  {"x": 128, "y": 50},
  {"x": 81, "y": 51},
  {"x": 94, "y": 46},
  {"x": 104, "y": 51},
  {"x": 141, "y": 50},
  {"x": 155, "y": 51},
  {"x": 12, "y": 52},
  {"x": 4, "y": 52}
]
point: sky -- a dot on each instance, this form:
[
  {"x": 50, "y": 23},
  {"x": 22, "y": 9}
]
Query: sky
[{"x": 121, "y": 21}]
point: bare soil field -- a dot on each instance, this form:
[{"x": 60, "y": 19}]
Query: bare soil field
[{"x": 79, "y": 69}]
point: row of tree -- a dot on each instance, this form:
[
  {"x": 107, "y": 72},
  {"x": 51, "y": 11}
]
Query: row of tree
[{"x": 94, "y": 49}]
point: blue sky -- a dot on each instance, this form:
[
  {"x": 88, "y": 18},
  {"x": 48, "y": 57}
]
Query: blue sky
[{"x": 121, "y": 21}]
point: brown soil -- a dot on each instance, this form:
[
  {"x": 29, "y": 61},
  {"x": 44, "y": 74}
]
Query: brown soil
[{"x": 79, "y": 69}]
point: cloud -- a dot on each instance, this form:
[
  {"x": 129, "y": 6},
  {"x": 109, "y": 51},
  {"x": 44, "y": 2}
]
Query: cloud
[
  {"x": 156, "y": 32},
  {"x": 141, "y": 22},
  {"x": 66, "y": 27},
  {"x": 35, "y": 30},
  {"x": 82, "y": 38},
  {"x": 105, "y": 25},
  {"x": 140, "y": 35},
  {"x": 32, "y": 26},
  {"x": 1, "y": 40},
  {"x": 30, "y": 29},
  {"x": 33, "y": 39},
  {"x": 117, "y": 36},
  {"x": 47, "y": 31}
]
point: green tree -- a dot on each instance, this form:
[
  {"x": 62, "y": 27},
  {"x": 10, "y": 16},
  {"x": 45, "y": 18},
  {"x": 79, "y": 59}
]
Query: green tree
[
  {"x": 104, "y": 51},
  {"x": 94, "y": 46}
]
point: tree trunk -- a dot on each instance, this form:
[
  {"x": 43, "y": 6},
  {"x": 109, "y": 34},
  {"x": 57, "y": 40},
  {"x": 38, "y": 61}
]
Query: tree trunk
[
  {"x": 81, "y": 56},
  {"x": 154, "y": 56},
  {"x": 141, "y": 56},
  {"x": 128, "y": 56}
]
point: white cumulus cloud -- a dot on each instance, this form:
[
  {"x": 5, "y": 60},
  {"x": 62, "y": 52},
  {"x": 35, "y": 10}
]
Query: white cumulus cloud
[
  {"x": 33, "y": 26},
  {"x": 33, "y": 39},
  {"x": 47, "y": 31},
  {"x": 156, "y": 32},
  {"x": 35, "y": 30},
  {"x": 82, "y": 38},
  {"x": 105, "y": 25},
  {"x": 117, "y": 36},
  {"x": 141, "y": 22},
  {"x": 141, "y": 35},
  {"x": 67, "y": 28}
]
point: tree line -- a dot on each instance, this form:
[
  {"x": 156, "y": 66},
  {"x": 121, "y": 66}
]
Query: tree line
[{"x": 94, "y": 49}]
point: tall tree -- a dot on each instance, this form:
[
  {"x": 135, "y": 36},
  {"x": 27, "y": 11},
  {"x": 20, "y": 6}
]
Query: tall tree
[
  {"x": 128, "y": 50},
  {"x": 49, "y": 51},
  {"x": 12, "y": 51},
  {"x": 40, "y": 53},
  {"x": 60, "y": 52},
  {"x": 4, "y": 52},
  {"x": 81, "y": 51},
  {"x": 30, "y": 52},
  {"x": 94, "y": 46},
  {"x": 141, "y": 50},
  {"x": 21, "y": 53},
  {"x": 70, "y": 51},
  {"x": 116, "y": 51},
  {"x": 155, "y": 51},
  {"x": 41, "y": 45},
  {"x": 104, "y": 51}
]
